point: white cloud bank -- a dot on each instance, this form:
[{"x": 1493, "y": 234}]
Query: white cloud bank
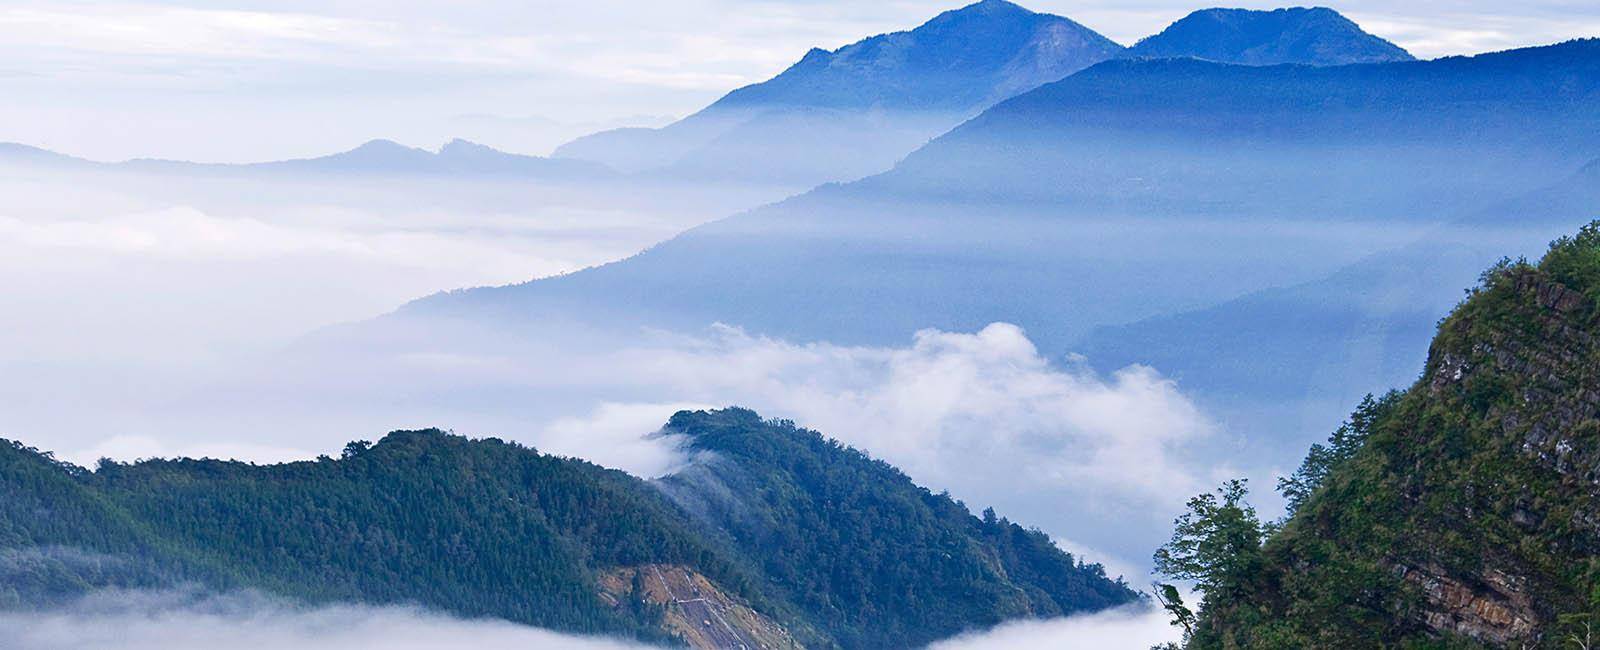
[
  {"x": 952, "y": 403},
  {"x": 143, "y": 620},
  {"x": 1127, "y": 628},
  {"x": 1048, "y": 443},
  {"x": 181, "y": 620},
  {"x": 983, "y": 414}
]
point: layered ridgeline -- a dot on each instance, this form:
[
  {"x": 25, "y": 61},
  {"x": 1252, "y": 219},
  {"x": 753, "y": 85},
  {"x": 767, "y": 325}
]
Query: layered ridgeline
[
  {"x": 1312, "y": 36},
  {"x": 1459, "y": 513},
  {"x": 1132, "y": 189},
  {"x": 1383, "y": 140},
  {"x": 1260, "y": 357},
  {"x": 1036, "y": 214},
  {"x": 772, "y": 537},
  {"x": 375, "y": 158},
  {"x": 863, "y": 106}
]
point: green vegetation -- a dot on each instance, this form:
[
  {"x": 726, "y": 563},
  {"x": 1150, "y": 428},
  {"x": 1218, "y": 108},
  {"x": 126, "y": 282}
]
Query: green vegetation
[
  {"x": 487, "y": 528},
  {"x": 1460, "y": 513},
  {"x": 921, "y": 566},
  {"x": 477, "y": 528}
]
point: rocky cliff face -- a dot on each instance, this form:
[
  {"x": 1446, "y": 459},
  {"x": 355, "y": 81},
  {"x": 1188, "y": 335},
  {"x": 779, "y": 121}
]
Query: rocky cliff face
[
  {"x": 1494, "y": 607},
  {"x": 1539, "y": 344}
]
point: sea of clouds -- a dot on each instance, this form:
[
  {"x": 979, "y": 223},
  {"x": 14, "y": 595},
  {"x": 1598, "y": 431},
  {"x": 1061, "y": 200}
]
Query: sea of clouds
[{"x": 191, "y": 620}]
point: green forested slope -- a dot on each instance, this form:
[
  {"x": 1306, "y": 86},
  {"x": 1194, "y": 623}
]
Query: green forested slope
[
  {"x": 1464, "y": 512},
  {"x": 478, "y": 528},
  {"x": 490, "y": 528},
  {"x": 920, "y": 568}
]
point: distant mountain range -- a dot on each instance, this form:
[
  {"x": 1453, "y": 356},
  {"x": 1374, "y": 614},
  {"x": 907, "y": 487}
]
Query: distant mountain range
[
  {"x": 864, "y": 106},
  {"x": 1314, "y": 36},
  {"x": 1405, "y": 140},
  {"x": 1132, "y": 192},
  {"x": 772, "y": 537},
  {"x": 377, "y": 157},
  {"x": 1043, "y": 210},
  {"x": 958, "y": 61}
]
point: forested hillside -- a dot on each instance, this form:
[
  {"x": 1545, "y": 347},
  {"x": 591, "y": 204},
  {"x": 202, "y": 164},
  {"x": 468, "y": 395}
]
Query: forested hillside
[
  {"x": 488, "y": 528},
  {"x": 1460, "y": 513},
  {"x": 920, "y": 568}
]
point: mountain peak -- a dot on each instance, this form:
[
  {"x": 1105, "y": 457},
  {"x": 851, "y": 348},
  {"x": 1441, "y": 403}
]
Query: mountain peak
[
  {"x": 959, "y": 60},
  {"x": 382, "y": 145},
  {"x": 460, "y": 146},
  {"x": 1306, "y": 35},
  {"x": 992, "y": 8}
]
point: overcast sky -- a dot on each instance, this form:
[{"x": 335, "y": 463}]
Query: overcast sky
[{"x": 234, "y": 80}]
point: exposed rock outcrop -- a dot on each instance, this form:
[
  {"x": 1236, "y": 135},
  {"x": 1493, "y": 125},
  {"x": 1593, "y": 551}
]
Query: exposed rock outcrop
[{"x": 694, "y": 609}]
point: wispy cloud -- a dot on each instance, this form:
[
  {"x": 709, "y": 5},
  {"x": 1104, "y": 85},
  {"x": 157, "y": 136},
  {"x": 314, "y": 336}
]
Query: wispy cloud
[
  {"x": 1134, "y": 627},
  {"x": 951, "y": 403},
  {"x": 183, "y": 620},
  {"x": 1048, "y": 442}
]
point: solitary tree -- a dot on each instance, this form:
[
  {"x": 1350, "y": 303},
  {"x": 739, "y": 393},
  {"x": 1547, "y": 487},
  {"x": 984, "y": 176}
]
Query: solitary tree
[{"x": 1216, "y": 544}]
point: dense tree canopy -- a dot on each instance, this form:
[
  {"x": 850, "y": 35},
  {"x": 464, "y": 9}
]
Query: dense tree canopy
[{"x": 839, "y": 549}]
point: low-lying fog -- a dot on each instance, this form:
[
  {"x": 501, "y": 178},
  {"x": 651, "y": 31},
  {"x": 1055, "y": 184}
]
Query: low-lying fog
[{"x": 187, "y": 620}]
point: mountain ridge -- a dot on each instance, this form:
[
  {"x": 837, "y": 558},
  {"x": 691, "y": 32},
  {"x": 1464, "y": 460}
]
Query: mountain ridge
[
  {"x": 983, "y": 39},
  {"x": 377, "y": 156},
  {"x": 872, "y": 100},
  {"x": 1034, "y": 183},
  {"x": 1310, "y": 36},
  {"x": 488, "y": 528}
]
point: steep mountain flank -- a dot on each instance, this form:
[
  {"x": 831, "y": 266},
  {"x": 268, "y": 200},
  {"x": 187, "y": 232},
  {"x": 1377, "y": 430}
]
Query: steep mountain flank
[
  {"x": 486, "y": 528},
  {"x": 920, "y": 568},
  {"x": 1311, "y": 36},
  {"x": 1465, "y": 512}
]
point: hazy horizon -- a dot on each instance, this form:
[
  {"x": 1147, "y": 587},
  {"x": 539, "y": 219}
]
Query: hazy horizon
[{"x": 247, "y": 81}]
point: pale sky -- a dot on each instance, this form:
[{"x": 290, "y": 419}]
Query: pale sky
[{"x": 238, "y": 80}]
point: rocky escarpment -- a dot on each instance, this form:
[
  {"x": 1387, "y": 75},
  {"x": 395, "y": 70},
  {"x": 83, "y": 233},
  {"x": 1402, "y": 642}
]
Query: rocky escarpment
[
  {"x": 1494, "y": 607},
  {"x": 1537, "y": 345},
  {"x": 1469, "y": 514}
]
